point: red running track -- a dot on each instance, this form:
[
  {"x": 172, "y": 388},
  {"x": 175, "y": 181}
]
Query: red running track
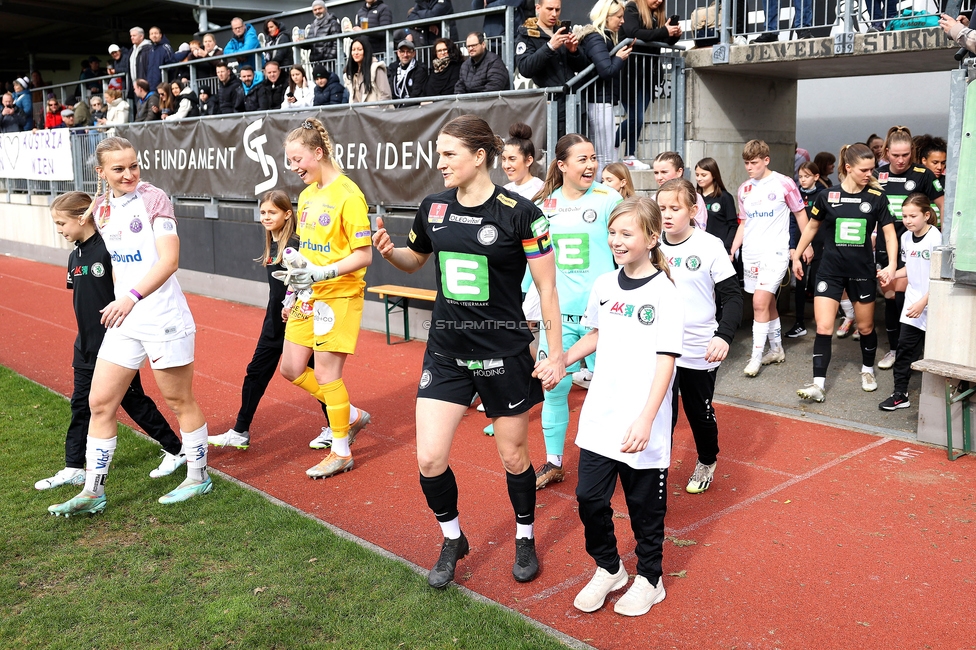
[{"x": 810, "y": 535}]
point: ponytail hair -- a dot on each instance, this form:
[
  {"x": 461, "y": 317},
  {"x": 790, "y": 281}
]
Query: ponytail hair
[
  {"x": 72, "y": 204},
  {"x": 672, "y": 157},
  {"x": 282, "y": 201},
  {"x": 621, "y": 171},
  {"x": 474, "y": 133},
  {"x": 312, "y": 135},
  {"x": 850, "y": 155},
  {"x": 900, "y": 134},
  {"x": 924, "y": 204},
  {"x": 554, "y": 176},
  {"x": 648, "y": 216},
  {"x": 926, "y": 144}
]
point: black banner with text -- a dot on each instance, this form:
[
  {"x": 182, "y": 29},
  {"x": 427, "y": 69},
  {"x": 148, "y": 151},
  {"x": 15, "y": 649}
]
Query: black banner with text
[{"x": 390, "y": 153}]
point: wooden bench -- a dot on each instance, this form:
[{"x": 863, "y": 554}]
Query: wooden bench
[
  {"x": 965, "y": 379},
  {"x": 397, "y": 297}
]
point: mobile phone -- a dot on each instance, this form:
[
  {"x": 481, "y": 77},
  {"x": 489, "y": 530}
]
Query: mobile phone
[
  {"x": 567, "y": 25},
  {"x": 290, "y": 94},
  {"x": 673, "y": 20}
]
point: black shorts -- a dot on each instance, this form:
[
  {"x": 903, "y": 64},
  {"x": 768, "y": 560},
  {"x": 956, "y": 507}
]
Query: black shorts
[
  {"x": 506, "y": 385},
  {"x": 833, "y": 287}
]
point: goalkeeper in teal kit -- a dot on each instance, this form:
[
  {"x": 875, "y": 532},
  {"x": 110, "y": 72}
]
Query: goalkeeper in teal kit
[{"x": 578, "y": 209}]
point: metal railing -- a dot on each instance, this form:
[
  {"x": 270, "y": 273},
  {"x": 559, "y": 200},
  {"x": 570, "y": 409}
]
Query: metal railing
[{"x": 63, "y": 92}]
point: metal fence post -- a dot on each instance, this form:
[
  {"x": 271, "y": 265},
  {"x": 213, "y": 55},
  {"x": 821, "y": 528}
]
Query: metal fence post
[
  {"x": 552, "y": 127},
  {"x": 508, "y": 45},
  {"x": 678, "y": 105},
  {"x": 726, "y": 22}
]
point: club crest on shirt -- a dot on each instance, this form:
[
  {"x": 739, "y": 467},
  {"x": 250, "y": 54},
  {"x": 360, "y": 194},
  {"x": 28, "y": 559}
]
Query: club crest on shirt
[
  {"x": 488, "y": 235},
  {"x": 97, "y": 269},
  {"x": 325, "y": 219},
  {"x": 436, "y": 213},
  {"x": 589, "y": 216},
  {"x": 865, "y": 207},
  {"x": 771, "y": 196},
  {"x": 693, "y": 263},
  {"x": 715, "y": 207},
  {"x": 425, "y": 379},
  {"x": 135, "y": 225},
  {"x": 747, "y": 189},
  {"x": 646, "y": 314},
  {"x": 909, "y": 186},
  {"x": 168, "y": 224}
]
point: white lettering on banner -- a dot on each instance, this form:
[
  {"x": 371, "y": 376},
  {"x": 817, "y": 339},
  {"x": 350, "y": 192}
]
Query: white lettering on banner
[
  {"x": 178, "y": 159},
  {"x": 254, "y": 149},
  {"x": 41, "y": 155}
]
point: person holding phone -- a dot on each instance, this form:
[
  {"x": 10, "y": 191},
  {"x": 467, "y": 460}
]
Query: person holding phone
[{"x": 547, "y": 52}]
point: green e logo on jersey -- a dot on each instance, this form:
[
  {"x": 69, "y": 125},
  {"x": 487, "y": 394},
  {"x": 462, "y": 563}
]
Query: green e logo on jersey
[
  {"x": 850, "y": 232},
  {"x": 464, "y": 277},
  {"x": 572, "y": 251}
]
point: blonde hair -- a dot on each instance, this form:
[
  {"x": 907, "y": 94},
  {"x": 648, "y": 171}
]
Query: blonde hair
[
  {"x": 108, "y": 145},
  {"x": 621, "y": 171},
  {"x": 282, "y": 201},
  {"x": 312, "y": 135},
  {"x": 602, "y": 10},
  {"x": 72, "y": 204},
  {"x": 900, "y": 134},
  {"x": 648, "y": 216},
  {"x": 755, "y": 149},
  {"x": 683, "y": 189}
]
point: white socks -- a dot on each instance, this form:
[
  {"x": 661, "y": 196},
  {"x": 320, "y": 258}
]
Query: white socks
[
  {"x": 451, "y": 529},
  {"x": 759, "y": 333},
  {"x": 868, "y": 369},
  {"x": 340, "y": 445},
  {"x": 195, "y": 448},
  {"x": 555, "y": 459},
  {"x": 847, "y": 308},
  {"x": 353, "y": 415},
  {"x": 98, "y": 458},
  {"x": 775, "y": 335},
  {"x": 821, "y": 382},
  {"x": 524, "y": 531}
]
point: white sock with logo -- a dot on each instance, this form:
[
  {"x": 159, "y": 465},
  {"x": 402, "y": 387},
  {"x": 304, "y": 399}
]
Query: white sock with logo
[
  {"x": 555, "y": 459},
  {"x": 775, "y": 334},
  {"x": 759, "y": 333},
  {"x": 848, "y": 308},
  {"x": 195, "y": 448},
  {"x": 98, "y": 458}
]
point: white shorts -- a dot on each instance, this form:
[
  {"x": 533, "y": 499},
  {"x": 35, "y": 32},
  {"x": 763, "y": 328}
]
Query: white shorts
[
  {"x": 766, "y": 272},
  {"x": 130, "y": 353}
]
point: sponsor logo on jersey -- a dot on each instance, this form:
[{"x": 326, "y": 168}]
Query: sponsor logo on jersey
[
  {"x": 747, "y": 188},
  {"x": 425, "y": 379},
  {"x": 488, "y": 235},
  {"x": 360, "y": 234},
  {"x": 549, "y": 204},
  {"x": 436, "y": 213},
  {"x": 589, "y": 216},
  {"x": 646, "y": 314},
  {"x": 758, "y": 214},
  {"x": 865, "y": 207},
  {"x": 850, "y": 232},
  {"x": 412, "y": 236},
  {"x": 115, "y": 236},
  {"x": 873, "y": 191},
  {"x": 833, "y": 197},
  {"x": 937, "y": 184},
  {"x": 79, "y": 270},
  {"x": 464, "y": 277},
  {"x": 622, "y": 309},
  {"x": 814, "y": 210},
  {"x": 883, "y": 177},
  {"x": 540, "y": 226},
  {"x": 97, "y": 269},
  {"x": 506, "y": 200},
  {"x": 693, "y": 263},
  {"x": 572, "y": 252},
  {"x": 118, "y": 258},
  {"x": 909, "y": 186},
  {"x": 923, "y": 254},
  {"x": 850, "y": 199},
  {"x": 318, "y": 248},
  {"x": 135, "y": 225},
  {"x": 460, "y": 218},
  {"x": 325, "y": 219}
]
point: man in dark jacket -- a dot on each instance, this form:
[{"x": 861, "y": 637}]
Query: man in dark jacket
[
  {"x": 374, "y": 13},
  {"x": 548, "y": 54},
  {"x": 275, "y": 85},
  {"x": 12, "y": 118},
  {"x": 255, "y": 93},
  {"x": 329, "y": 89},
  {"x": 230, "y": 94},
  {"x": 408, "y": 77},
  {"x": 482, "y": 71},
  {"x": 146, "y": 99},
  {"x": 324, "y": 24},
  {"x": 433, "y": 9},
  {"x": 160, "y": 53}
]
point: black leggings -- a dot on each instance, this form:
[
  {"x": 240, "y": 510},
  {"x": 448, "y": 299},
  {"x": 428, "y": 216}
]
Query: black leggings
[{"x": 697, "y": 387}]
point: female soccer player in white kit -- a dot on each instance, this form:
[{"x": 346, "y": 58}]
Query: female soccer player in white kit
[{"x": 149, "y": 318}]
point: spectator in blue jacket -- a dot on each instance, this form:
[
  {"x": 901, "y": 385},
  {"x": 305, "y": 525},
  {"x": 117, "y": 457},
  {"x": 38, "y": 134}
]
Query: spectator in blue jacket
[
  {"x": 11, "y": 117},
  {"x": 328, "y": 88},
  {"x": 160, "y": 52},
  {"x": 22, "y": 99},
  {"x": 244, "y": 38}
]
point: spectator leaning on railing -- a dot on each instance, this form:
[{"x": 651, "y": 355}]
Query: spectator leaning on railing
[
  {"x": 206, "y": 50},
  {"x": 958, "y": 30},
  {"x": 52, "y": 118},
  {"x": 483, "y": 71},
  {"x": 275, "y": 35},
  {"x": 324, "y": 24},
  {"x": 116, "y": 109},
  {"x": 188, "y": 105},
  {"x": 160, "y": 52},
  {"x": 433, "y": 9},
  {"x": 244, "y": 38},
  {"x": 67, "y": 119},
  {"x": 495, "y": 23}
]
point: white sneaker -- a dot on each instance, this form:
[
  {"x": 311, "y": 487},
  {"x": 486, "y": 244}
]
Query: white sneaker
[
  {"x": 67, "y": 476},
  {"x": 844, "y": 329},
  {"x": 887, "y": 360},
  {"x": 595, "y": 592},
  {"x": 701, "y": 478},
  {"x": 637, "y": 165},
  {"x": 641, "y": 596},
  {"x": 812, "y": 392},
  {"x": 752, "y": 368},
  {"x": 740, "y": 40},
  {"x": 481, "y": 407},
  {"x": 868, "y": 382},
  {"x": 324, "y": 439},
  {"x": 582, "y": 378},
  {"x": 773, "y": 356},
  {"x": 856, "y": 336},
  {"x": 230, "y": 438},
  {"x": 169, "y": 464}
]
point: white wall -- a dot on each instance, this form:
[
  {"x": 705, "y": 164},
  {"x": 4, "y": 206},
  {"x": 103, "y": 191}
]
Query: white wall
[{"x": 833, "y": 112}]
